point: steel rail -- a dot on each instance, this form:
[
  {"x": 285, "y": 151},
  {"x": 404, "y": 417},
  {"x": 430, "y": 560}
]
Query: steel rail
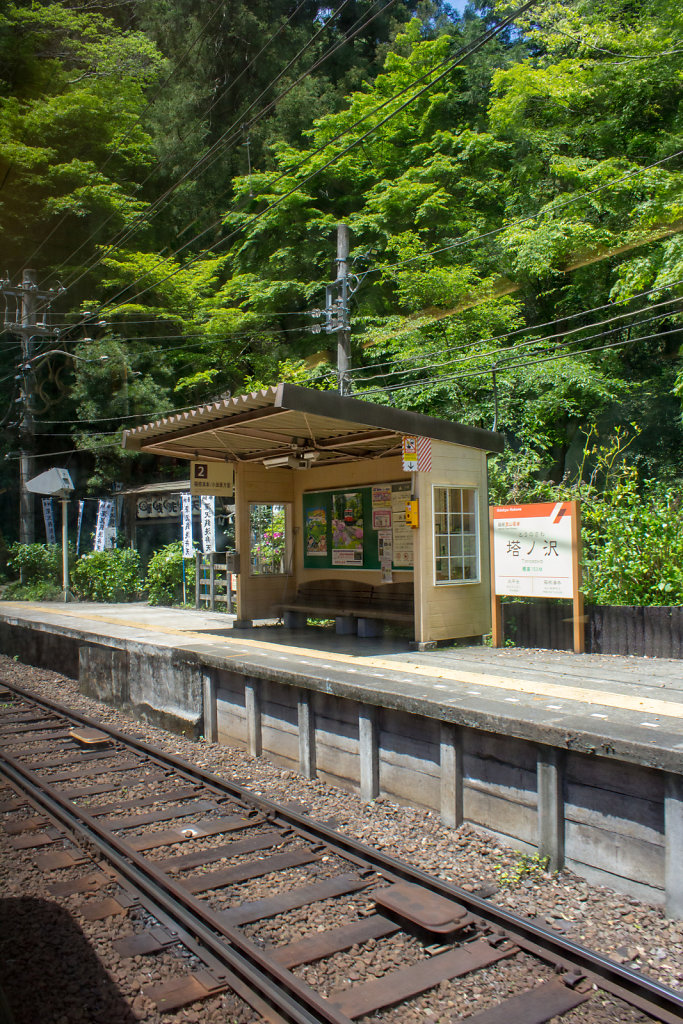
[
  {"x": 638, "y": 990},
  {"x": 276, "y": 984}
]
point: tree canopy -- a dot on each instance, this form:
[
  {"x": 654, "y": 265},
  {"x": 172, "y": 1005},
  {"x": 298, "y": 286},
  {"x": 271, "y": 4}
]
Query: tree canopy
[{"x": 515, "y": 207}]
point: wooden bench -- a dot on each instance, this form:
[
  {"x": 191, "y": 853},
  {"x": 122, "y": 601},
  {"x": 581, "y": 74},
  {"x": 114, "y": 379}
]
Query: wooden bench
[
  {"x": 326, "y": 599},
  {"x": 348, "y": 601}
]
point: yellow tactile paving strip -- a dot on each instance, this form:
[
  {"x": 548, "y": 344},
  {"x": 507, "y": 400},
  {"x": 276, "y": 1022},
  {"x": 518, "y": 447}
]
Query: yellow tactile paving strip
[{"x": 601, "y": 698}]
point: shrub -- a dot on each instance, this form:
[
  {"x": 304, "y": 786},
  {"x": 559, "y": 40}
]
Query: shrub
[
  {"x": 39, "y": 590},
  {"x": 112, "y": 575},
  {"x": 164, "y": 580},
  {"x": 36, "y": 562}
]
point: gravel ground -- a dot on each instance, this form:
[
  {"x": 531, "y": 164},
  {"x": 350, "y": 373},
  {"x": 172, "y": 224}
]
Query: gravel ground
[{"x": 623, "y": 928}]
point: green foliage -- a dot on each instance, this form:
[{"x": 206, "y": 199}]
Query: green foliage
[
  {"x": 632, "y": 537},
  {"x": 110, "y": 576},
  {"x": 37, "y": 563},
  {"x": 164, "y": 580},
  {"x": 527, "y": 866},
  {"x": 39, "y": 590}
]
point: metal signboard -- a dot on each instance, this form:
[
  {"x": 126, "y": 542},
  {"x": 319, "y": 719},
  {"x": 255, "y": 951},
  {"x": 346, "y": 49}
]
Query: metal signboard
[
  {"x": 212, "y": 478},
  {"x": 536, "y": 551},
  {"x": 532, "y": 550}
]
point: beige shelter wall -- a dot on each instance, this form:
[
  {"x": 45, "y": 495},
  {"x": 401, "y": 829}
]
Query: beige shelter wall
[
  {"x": 449, "y": 611},
  {"x": 257, "y": 596},
  {"x": 345, "y": 475}
]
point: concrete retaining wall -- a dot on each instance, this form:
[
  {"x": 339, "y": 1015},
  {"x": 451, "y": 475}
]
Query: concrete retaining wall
[{"x": 615, "y": 823}]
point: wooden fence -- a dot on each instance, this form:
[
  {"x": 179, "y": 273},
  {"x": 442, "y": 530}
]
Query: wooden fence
[
  {"x": 654, "y": 632},
  {"x": 213, "y": 581}
]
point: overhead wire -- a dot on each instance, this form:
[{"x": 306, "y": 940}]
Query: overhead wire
[
  {"x": 474, "y": 352},
  {"x": 499, "y": 367}
]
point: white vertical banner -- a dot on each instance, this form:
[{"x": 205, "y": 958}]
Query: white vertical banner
[
  {"x": 49, "y": 517},
  {"x": 188, "y": 550},
  {"x": 105, "y": 507},
  {"x": 81, "y": 504},
  {"x": 208, "y": 521}
]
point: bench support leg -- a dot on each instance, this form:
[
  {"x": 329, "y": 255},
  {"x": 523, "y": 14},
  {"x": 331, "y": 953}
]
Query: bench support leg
[
  {"x": 370, "y": 627},
  {"x": 344, "y": 625},
  {"x": 294, "y": 620}
]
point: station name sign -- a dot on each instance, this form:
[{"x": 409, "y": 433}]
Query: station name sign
[
  {"x": 212, "y": 478},
  {"x": 534, "y": 549}
]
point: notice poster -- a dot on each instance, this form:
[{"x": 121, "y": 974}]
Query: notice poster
[
  {"x": 402, "y": 533},
  {"x": 347, "y": 528},
  {"x": 381, "y": 518},
  {"x": 381, "y": 497},
  {"x": 385, "y": 546},
  {"x": 315, "y": 532}
]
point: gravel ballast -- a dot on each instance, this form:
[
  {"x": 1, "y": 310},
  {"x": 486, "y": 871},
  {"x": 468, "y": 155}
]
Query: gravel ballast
[{"x": 34, "y": 924}]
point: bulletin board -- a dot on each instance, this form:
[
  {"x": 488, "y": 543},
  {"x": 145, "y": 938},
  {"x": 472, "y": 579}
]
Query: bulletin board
[{"x": 358, "y": 528}]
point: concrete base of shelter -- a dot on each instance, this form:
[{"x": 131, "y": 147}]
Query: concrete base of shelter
[{"x": 610, "y": 811}]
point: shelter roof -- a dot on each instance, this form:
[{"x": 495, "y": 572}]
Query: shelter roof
[{"x": 287, "y": 419}]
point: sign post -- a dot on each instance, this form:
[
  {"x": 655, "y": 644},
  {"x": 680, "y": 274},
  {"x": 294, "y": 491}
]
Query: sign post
[{"x": 536, "y": 552}]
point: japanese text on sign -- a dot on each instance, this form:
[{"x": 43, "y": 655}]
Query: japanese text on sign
[{"x": 532, "y": 549}]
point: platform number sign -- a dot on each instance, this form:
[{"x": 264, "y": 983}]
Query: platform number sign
[{"x": 212, "y": 478}]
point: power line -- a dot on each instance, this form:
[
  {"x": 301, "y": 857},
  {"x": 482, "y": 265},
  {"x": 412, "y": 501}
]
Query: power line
[
  {"x": 499, "y": 367},
  {"x": 526, "y": 329},
  {"x": 530, "y": 342}
]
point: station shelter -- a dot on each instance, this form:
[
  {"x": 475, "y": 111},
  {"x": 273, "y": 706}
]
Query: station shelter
[{"x": 382, "y": 510}]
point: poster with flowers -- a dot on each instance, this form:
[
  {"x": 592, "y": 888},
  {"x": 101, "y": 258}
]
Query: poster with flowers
[
  {"x": 316, "y": 532},
  {"x": 347, "y": 528}
]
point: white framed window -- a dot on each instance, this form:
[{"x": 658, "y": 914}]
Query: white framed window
[
  {"x": 269, "y": 539},
  {"x": 456, "y": 535}
]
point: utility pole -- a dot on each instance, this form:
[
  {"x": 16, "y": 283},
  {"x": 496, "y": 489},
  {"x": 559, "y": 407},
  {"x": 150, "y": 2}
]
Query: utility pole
[
  {"x": 336, "y": 311},
  {"x": 343, "y": 319},
  {"x": 27, "y": 328}
]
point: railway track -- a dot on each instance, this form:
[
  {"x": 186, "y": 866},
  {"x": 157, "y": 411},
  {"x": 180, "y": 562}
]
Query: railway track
[{"x": 267, "y": 901}]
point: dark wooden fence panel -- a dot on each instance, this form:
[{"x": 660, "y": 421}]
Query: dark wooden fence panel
[{"x": 655, "y": 632}]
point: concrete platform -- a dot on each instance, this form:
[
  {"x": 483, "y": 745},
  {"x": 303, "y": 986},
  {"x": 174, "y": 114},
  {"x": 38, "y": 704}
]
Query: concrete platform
[{"x": 578, "y": 756}]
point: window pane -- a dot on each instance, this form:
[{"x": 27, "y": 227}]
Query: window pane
[
  {"x": 268, "y": 539},
  {"x": 469, "y": 501},
  {"x": 439, "y": 500},
  {"x": 456, "y": 535},
  {"x": 456, "y": 569},
  {"x": 441, "y": 523}
]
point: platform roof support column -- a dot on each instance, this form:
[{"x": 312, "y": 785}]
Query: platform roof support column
[
  {"x": 306, "y": 715},
  {"x": 550, "y": 785},
  {"x": 252, "y": 706},
  {"x": 452, "y": 778},
  {"x": 368, "y": 738},
  {"x": 673, "y": 830}
]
